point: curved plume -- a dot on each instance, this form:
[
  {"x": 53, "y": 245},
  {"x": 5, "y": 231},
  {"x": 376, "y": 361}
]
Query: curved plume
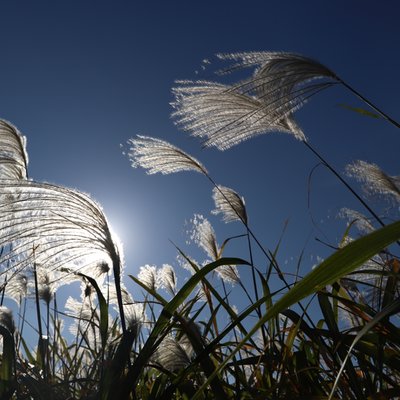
[
  {"x": 280, "y": 62},
  {"x": 229, "y": 204},
  {"x": 224, "y": 115},
  {"x": 283, "y": 81},
  {"x": 13, "y": 156},
  {"x": 48, "y": 225},
  {"x": 203, "y": 235},
  {"x": 156, "y": 155},
  {"x": 374, "y": 179},
  {"x": 228, "y": 114},
  {"x": 52, "y": 226}
]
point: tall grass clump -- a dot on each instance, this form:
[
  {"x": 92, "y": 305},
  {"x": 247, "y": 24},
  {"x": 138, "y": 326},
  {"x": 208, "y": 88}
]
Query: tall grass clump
[{"x": 330, "y": 334}]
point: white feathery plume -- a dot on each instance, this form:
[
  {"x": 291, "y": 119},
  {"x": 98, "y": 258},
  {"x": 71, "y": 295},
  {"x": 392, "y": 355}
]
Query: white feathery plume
[
  {"x": 135, "y": 313},
  {"x": 286, "y": 80},
  {"x": 374, "y": 179},
  {"x": 53, "y": 226},
  {"x": 167, "y": 278},
  {"x": 13, "y": 155},
  {"x": 159, "y": 156},
  {"x": 229, "y": 204},
  {"x": 17, "y": 288},
  {"x": 172, "y": 354},
  {"x": 148, "y": 276},
  {"x": 361, "y": 221},
  {"x": 86, "y": 324},
  {"x": 112, "y": 294},
  {"x": 203, "y": 235},
  {"x": 367, "y": 282},
  {"x": 282, "y": 80},
  {"x": 135, "y": 316},
  {"x": 279, "y": 61},
  {"x": 74, "y": 306},
  {"x": 86, "y": 316},
  {"x": 101, "y": 270},
  {"x": 225, "y": 116},
  {"x": 49, "y": 280},
  {"x": 48, "y": 224},
  {"x": 228, "y": 114},
  {"x": 228, "y": 273}
]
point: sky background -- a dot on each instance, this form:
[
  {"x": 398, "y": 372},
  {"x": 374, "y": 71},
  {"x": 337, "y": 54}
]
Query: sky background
[{"x": 79, "y": 78}]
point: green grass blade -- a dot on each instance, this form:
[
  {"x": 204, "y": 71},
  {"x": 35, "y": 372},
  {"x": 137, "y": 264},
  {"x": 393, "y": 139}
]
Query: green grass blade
[
  {"x": 154, "y": 293},
  {"x": 116, "y": 367},
  {"x": 103, "y": 309},
  {"x": 164, "y": 320},
  {"x": 389, "y": 310},
  {"x": 339, "y": 264}
]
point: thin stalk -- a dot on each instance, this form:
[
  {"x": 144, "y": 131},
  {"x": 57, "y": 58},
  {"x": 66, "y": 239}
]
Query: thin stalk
[
  {"x": 211, "y": 307},
  {"x": 353, "y": 192},
  {"x": 253, "y": 272},
  {"x": 234, "y": 330},
  {"x": 41, "y": 348},
  {"x": 3, "y": 291},
  {"x": 48, "y": 361},
  {"x": 55, "y": 324},
  {"x": 269, "y": 257},
  {"x": 21, "y": 323},
  {"x": 370, "y": 104}
]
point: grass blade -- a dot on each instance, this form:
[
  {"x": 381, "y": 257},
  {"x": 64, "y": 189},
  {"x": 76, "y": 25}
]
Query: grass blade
[
  {"x": 164, "y": 320},
  {"x": 339, "y": 264}
]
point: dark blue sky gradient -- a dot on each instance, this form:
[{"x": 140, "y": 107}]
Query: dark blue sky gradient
[{"x": 79, "y": 78}]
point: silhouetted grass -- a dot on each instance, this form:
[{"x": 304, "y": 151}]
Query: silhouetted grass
[{"x": 331, "y": 334}]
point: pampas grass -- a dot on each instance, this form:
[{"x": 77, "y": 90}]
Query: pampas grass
[{"x": 329, "y": 334}]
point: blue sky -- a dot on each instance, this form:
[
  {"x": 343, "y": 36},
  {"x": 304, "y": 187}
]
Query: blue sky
[{"x": 79, "y": 78}]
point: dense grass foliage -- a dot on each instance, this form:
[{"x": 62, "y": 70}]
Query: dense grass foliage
[{"x": 331, "y": 334}]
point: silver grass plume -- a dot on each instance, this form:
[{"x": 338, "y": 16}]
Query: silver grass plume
[
  {"x": 374, "y": 180},
  {"x": 159, "y": 156},
  {"x": 49, "y": 280},
  {"x": 48, "y": 224},
  {"x": 148, "y": 276},
  {"x": 53, "y": 226},
  {"x": 361, "y": 221},
  {"x": 135, "y": 314},
  {"x": 167, "y": 278},
  {"x": 172, "y": 354},
  {"x": 266, "y": 101},
  {"x": 112, "y": 294},
  {"x": 286, "y": 80},
  {"x": 225, "y": 116},
  {"x": 13, "y": 155},
  {"x": 228, "y": 273},
  {"x": 17, "y": 288},
  {"x": 282, "y": 81},
  {"x": 87, "y": 296},
  {"x": 367, "y": 282},
  {"x": 86, "y": 317},
  {"x": 86, "y": 321},
  {"x": 203, "y": 235},
  {"x": 229, "y": 204},
  {"x": 280, "y": 66}
]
